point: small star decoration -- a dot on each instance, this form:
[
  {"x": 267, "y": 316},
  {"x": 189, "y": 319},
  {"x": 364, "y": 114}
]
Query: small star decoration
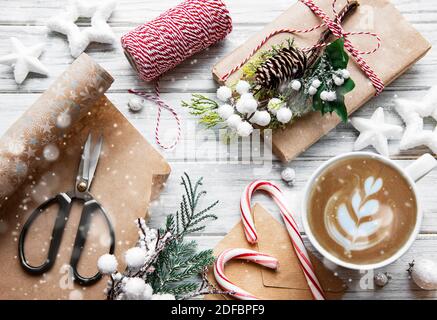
[
  {"x": 413, "y": 112},
  {"x": 99, "y": 12},
  {"x": 24, "y": 60},
  {"x": 375, "y": 132}
]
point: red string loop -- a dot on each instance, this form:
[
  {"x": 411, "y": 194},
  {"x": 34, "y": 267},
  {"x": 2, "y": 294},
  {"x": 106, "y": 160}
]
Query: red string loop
[{"x": 338, "y": 31}]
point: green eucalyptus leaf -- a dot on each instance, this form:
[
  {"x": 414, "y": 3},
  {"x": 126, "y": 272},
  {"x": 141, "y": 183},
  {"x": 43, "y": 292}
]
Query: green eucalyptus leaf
[{"x": 336, "y": 54}]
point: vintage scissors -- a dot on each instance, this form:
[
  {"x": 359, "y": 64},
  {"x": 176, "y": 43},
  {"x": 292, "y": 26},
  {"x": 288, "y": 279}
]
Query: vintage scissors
[{"x": 64, "y": 200}]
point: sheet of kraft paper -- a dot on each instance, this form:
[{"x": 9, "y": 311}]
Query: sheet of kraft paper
[
  {"x": 39, "y": 157},
  {"x": 401, "y": 47}
]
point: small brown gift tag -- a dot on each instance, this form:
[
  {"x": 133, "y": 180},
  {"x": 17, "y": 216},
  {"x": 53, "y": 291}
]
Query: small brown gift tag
[
  {"x": 288, "y": 282},
  {"x": 401, "y": 47},
  {"x": 129, "y": 174}
]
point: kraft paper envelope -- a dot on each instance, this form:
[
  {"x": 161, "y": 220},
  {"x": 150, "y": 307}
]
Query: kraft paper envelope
[
  {"x": 288, "y": 282},
  {"x": 39, "y": 157},
  {"x": 401, "y": 47}
]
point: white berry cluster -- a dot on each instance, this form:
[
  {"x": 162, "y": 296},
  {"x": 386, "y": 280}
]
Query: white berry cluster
[
  {"x": 136, "y": 258},
  {"x": 241, "y": 113},
  {"x": 338, "y": 78},
  {"x": 235, "y": 116}
]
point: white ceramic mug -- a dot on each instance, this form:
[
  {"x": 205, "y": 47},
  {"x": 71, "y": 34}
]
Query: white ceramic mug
[{"x": 412, "y": 173}]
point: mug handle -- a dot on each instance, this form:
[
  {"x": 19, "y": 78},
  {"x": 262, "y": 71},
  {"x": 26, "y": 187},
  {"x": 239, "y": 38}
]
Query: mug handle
[{"x": 421, "y": 167}]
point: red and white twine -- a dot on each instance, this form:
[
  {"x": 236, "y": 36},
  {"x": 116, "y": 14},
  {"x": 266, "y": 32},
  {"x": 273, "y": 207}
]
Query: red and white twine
[
  {"x": 333, "y": 24},
  {"x": 161, "y": 44},
  {"x": 245, "y": 254},
  {"x": 291, "y": 225}
]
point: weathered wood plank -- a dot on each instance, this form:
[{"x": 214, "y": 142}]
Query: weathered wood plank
[
  {"x": 133, "y": 12},
  {"x": 191, "y": 76},
  {"x": 225, "y": 182},
  {"x": 205, "y": 145}
]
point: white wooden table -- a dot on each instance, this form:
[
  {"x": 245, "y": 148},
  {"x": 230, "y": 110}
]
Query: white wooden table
[{"x": 224, "y": 180}]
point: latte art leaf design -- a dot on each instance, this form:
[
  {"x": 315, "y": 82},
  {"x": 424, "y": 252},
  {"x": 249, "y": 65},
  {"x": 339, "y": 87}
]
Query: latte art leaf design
[
  {"x": 356, "y": 225},
  {"x": 372, "y": 186}
]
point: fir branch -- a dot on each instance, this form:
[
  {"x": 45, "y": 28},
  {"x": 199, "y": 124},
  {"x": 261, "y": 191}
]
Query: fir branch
[{"x": 180, "y": 262}]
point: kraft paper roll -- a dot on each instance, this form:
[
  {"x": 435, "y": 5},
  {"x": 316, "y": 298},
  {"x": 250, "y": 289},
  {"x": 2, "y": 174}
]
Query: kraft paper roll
[
  {"x": 32, "y": 143},
  {"x": 42, "y": 152}
]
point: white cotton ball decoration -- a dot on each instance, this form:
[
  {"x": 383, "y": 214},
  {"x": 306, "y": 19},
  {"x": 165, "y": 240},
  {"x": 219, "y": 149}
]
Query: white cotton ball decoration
[
  {"x": 338, "y": 81},
  {"x": 274, "y": 105},
  {"x": 284, "y": 115},
  {"x": 233, "y": 121},
  {"x": 135, "y": 104},
  {"x": 288, "y": 175},
  {"x": 316, "y": 83},
  {"x": 107, "y": 264},
  {"x": 345, "y": 74},
  {"x": 381, "y": 279},
  {"x": 261, "y": 118},
  {"x": 242, "y": 87},
  {"x": 250, "y": 105},
  {"x": 135, "y": 257},
  {"x": 134, "y": 288},
  {"x": 241, "y": 106},
  {"x": 224, "y": 93},
  {"x": 296, "y": 85},
  {"x": 324, "y": 95},
  {"x": 148, "y": 292},
  {"x": 247, "y": 95},
  {"x": 225, "y": 111},
  {"x": 312, "y": 90},
  {"x": 244, "y": 129},
  {"x": 332, "y": 96},
  {"x": 424, "y": 273},
  {"x": 164, "y": 296}
]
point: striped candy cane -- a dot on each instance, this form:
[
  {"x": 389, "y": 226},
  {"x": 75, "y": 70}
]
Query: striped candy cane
[
  {"x": 245, "y": 254},
  {"x": 290, "y": 223}
]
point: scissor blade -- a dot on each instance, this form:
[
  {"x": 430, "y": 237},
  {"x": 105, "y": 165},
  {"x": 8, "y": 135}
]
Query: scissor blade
[
  {"x": 95, "y": 159},
  {"x": 86, "y": 159}
]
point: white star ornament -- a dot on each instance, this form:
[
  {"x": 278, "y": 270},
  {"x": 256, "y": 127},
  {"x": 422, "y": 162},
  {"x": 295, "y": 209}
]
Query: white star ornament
[
  {"x": 375, "y": 132},
  {"x": 413, "y": 112},
  {"x": 100, "y": 31},
  {"x": 24, "y": 60}
]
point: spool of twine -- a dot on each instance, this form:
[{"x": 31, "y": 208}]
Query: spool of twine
[{"x": 161, "y": 44}]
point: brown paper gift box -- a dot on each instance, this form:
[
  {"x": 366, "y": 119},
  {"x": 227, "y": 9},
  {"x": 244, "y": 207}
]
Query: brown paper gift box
[
  {"x": 288, "y": 282},
  {"x": 401, "y": 47},
  {"x": 130, "y": 173}
]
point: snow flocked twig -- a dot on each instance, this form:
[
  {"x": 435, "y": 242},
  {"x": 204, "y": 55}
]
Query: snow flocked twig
[{"x": 163, "y": 265}]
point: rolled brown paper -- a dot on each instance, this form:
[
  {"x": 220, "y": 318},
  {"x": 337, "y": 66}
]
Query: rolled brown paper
[
  {"x": 33, "y": 142},
  {"x": 42, "y": 152}
]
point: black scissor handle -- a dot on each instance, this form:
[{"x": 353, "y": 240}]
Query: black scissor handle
[
  {"x": 91, "y": 206},
  {"x": 64, "y": 202}
]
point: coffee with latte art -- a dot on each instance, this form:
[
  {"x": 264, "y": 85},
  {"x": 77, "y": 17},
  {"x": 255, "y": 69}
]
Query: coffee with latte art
[{"x": 361, "y": 210}]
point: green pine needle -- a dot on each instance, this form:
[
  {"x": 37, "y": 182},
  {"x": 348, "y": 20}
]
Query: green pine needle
[{"x": 180, "y": 262}]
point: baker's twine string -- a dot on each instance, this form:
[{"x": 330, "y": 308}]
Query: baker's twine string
[
  {"x": 161, "y": 44},
  {"x": 293, "y": 230},
  {"x": 338, "y": 31},
  {"x": 161, "y": 104}
]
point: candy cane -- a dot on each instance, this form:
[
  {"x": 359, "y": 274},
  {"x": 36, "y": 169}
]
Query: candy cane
[
  {"x": 246, "y": 254},
  {"x": 290, "y": 223}
]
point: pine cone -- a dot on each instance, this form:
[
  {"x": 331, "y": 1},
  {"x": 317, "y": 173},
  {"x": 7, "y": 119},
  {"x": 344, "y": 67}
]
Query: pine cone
[{"x": 288, "y": 63}]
